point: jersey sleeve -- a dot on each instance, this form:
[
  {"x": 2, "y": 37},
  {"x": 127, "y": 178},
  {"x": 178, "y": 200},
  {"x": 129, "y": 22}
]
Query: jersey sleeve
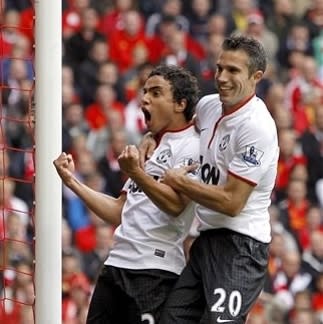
[{"x": 255, "y": 152}]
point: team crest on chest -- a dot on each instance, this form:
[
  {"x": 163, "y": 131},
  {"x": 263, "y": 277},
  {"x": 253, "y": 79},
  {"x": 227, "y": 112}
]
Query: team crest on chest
[
  {"x": 252, "y": 156},
  {"x": 190, "y": 161},
  {"x": 164, "y": 156},
  {"x": 224, "y": 142}
]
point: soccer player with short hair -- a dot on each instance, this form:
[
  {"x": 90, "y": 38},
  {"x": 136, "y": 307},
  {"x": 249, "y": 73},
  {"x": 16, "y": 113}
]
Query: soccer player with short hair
[
  {"x": 154, "y": 219},
  {"x": 238, "y": 164}
]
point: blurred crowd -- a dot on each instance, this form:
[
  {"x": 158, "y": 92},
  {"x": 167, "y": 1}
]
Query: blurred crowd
[{"x": 109, "y": 47}]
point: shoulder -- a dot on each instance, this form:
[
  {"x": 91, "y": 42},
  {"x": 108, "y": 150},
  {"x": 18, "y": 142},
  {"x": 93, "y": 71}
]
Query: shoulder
[
  {"x": 207, "y": 103},
  {"x": 209, "y": 99},
  {"x": 186, "y": 138},
  {"x": 181, "y": 136},
  {"x": 261, "y": 118},
  {"x": 186, "y": 141},
  {"x": 255, "y": 123}
]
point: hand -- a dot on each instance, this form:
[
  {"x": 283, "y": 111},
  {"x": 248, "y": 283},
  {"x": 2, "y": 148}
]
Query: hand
[
  {"x": 146, "y": 148},
  {"x": 129, "y": 160},
  {"x": 172, "y": 176},
  {"x": 65, "y": 167}
]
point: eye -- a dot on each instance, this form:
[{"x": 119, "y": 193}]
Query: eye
[
  {"x": 233, "y": 70},
  {"x": 156, "y": 93}
]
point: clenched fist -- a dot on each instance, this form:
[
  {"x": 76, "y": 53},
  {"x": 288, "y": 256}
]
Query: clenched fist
[
  {"x": 129, "y": 160},
  {"x": 65, "y": 167}
]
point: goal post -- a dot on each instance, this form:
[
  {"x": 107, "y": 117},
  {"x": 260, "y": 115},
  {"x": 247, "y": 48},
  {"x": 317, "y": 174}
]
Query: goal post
[{"x": 48, "y": 139}]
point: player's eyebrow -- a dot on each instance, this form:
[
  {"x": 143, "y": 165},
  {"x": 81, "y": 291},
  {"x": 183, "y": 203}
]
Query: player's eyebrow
[
  {"x": 154, "y": 88},
  {"x": 228, "y": 66}
]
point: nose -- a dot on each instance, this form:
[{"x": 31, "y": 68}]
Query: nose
[
  {"x": 144, "y": 98},
  {"x": 221, "y": 76}
]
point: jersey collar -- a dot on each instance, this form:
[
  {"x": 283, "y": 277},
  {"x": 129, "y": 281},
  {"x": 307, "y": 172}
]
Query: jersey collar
[
  {"x": 237, "y": 106},
  {"x": 159, "y": 135}
]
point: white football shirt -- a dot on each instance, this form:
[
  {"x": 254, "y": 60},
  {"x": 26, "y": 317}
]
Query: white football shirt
[
  {"x": 244, "y": 144},
  {"x": 148, "y": 238}
]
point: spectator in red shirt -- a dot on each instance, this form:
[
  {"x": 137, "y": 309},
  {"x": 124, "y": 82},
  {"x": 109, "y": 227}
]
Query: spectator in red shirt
[
  {"x": 122, "y": 42},
  {"x": 317, "y": 298},
  {"x": 9, "y": 31},
  {"x": 97, "y": 113},
  {"x": 314, "y": 223},
  {"x": 294, "y": 209},
  {"x": 159, "y": 43},
  {"x": 112, "y": 20},
  {"x": 73, "y": 278},
  {"x": 27, "y": 23},
  {"x": 304, "y": 90},
  {"x": 71, "y": 17},
  {"x": 178, "y": 54},
  {"x": 290, "y": 156}
]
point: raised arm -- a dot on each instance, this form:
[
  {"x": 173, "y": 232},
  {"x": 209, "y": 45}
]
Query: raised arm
[
  {"x": 162, "y": 195},
  {"x": 106, "y": 207}
]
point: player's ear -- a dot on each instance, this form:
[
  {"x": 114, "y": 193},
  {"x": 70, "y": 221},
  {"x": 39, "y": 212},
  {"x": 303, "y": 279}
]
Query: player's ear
[
  {"x": 180, "y": 107},
  {"x": 258, "y": 75}
]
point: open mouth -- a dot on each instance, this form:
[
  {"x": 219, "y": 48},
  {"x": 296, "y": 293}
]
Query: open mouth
[{"x": 146, "y": 114}]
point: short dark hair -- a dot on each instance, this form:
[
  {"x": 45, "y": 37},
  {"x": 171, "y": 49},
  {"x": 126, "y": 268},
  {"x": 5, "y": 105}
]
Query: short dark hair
[
  {"x": 168, "y": 19},
  {"x": 183, "y": 85},
  {"x": 252, "y": 47}
]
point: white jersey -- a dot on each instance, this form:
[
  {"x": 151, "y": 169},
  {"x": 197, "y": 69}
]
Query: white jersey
[
  {"x": 244, "y": 144},
  {"x": 148, "y": 238}
]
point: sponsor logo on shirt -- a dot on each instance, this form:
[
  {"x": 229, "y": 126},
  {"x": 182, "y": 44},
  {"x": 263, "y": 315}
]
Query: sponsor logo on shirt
[
  {"x": 134, "y": 188},
  {"x": 209, "y": 173}
]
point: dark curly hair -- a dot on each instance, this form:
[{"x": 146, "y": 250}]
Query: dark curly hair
[{"x": 183, "y": 85}]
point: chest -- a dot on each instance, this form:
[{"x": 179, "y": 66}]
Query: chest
[
  {"x": 219, "y": 142},
  {"x": 161, "y": 160}
]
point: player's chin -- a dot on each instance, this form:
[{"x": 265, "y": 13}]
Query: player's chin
[
  {"x": 225, "y": 95},
  {"x": 226, "y": 100}
]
